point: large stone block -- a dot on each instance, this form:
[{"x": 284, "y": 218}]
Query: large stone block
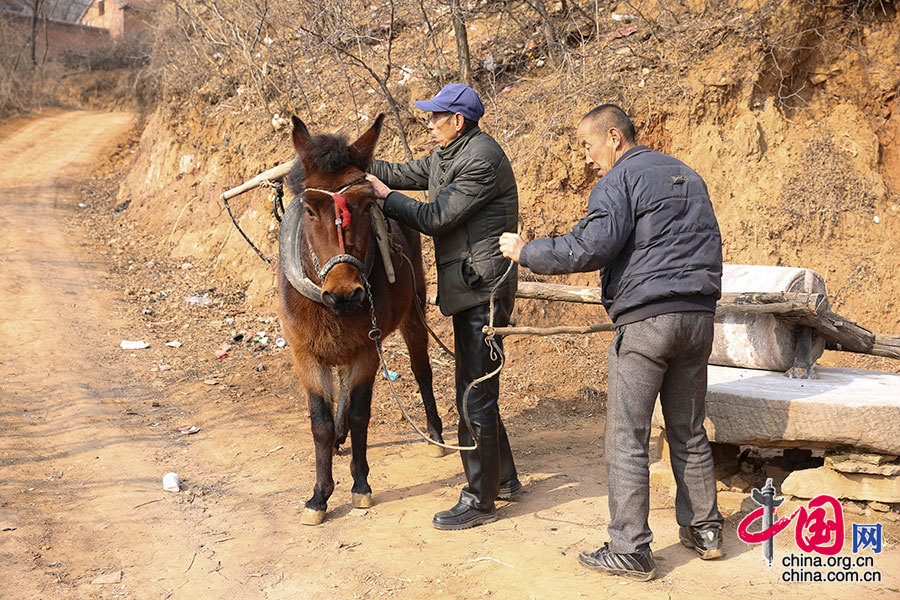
[
  {"x": 842, "y": 407},
  {"x": 762, "y": 341},
  {"x": 809, "y": 483}
]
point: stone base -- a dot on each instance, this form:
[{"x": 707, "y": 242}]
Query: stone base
[
  {"x": 873, "y": 464},
  {"x": 810, "y": 483},
  {"x": 767, "y": 409}
]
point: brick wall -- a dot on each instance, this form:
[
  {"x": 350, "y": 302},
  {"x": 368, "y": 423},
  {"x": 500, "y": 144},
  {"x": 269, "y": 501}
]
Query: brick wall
[
  {"x": 106, "y": 14},
  {"x": 58, "y": 36}
]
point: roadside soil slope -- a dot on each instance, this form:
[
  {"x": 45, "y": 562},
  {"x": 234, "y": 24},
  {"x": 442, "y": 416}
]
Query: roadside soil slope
[{"x": 87, "y": 430}]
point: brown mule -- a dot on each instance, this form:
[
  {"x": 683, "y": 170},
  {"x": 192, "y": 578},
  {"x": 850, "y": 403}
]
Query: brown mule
[{"x": 329, "y": 270}]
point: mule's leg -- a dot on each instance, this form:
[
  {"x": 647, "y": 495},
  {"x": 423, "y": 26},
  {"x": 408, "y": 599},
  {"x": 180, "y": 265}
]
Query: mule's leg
[
  {"x": 416, "y": 338},
  {"x": 362, "y": 375},
  {"x": 341, "y": 422},
  {"x": 318, "y": 382}
]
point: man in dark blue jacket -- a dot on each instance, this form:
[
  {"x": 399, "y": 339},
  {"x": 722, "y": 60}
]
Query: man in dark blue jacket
[{"x": 651, "y": 230}]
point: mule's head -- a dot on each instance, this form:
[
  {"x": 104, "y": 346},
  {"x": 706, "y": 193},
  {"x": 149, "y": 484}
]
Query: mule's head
[{"x": 330, "y": 179}]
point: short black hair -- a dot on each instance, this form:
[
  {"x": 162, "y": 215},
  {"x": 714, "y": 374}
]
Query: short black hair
[
  {"x": 469, "y": 124},
  {"x": 608, "y": 116}
]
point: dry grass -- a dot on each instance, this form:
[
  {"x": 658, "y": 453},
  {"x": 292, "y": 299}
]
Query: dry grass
[{"x": 827, "y": 190}]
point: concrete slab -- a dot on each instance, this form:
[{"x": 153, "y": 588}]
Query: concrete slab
[{"x": 842, "y": 407}]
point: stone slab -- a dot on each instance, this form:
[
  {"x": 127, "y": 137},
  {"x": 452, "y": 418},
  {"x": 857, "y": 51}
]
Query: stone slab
[
  {"x": 841, "y": 407},
  {"x": 848, "y": 465},
  {"x": 867, "y": 458},
  {"x": 809, "y": 483}
]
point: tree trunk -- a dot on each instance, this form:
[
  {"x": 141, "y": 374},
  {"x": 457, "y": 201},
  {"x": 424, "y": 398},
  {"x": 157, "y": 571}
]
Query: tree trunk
[
  {"x": 549, "y": 31},
  {"x": 35, "y": 16},
  {"x": 462, "y": 43},
  {"x": 396, "y": 110}
]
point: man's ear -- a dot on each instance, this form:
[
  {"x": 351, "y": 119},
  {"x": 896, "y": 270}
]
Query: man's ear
[
  {"x": 615, "y": 137},
  {"x": 459, "y": 121}
]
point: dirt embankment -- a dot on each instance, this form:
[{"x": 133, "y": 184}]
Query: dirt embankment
[{"x": 788, "y": 110}]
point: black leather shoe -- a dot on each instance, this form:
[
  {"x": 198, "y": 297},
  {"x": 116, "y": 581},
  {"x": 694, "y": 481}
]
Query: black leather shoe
[
  {"x": 510, "y": 490},
  {"x": 707, "y": 542},
  {"x": 463, "y": 516},
  {"x": 637, "y": 565}
]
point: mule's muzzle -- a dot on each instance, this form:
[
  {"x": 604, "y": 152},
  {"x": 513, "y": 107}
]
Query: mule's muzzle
[{"x": 345, "y": 303}]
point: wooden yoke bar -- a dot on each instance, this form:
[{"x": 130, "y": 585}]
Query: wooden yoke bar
[{"x": 811, "y": 310}]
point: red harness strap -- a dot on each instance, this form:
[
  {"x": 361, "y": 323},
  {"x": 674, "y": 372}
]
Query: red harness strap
[
  {"x": 342, "y": 217},
  {"x": 341, "y": 210}
]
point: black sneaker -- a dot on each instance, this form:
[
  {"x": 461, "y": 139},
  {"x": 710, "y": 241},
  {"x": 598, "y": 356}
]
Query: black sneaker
[
  {"x": 463, "y": 516},
  {"x": 637, "y": 565},
  {"x": 707, "y": 542},
  {"x": 510, "y": 490}
]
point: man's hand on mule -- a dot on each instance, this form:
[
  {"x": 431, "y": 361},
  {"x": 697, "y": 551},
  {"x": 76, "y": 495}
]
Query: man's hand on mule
[
  {"x": 511, "y": 245},
  {"x": 381, "y": 190}
]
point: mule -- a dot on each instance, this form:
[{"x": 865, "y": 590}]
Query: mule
[{"x": 331, "y": 280}]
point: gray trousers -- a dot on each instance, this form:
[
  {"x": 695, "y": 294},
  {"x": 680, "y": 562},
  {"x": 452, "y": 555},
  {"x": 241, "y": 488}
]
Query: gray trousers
[{"x": 665, "y": 354}]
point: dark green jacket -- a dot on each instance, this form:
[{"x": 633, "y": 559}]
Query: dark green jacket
[{"x": 472, "y": 199}]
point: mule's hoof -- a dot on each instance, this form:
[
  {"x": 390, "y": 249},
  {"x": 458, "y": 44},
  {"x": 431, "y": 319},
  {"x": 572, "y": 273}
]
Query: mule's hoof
[
  {"x": 312, "y": 517},
  {"x": 362, "y": 500},
  {"x": 435, "y": 451}
]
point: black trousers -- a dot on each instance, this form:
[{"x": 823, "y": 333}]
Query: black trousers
[{"x": 492, "y": 463}]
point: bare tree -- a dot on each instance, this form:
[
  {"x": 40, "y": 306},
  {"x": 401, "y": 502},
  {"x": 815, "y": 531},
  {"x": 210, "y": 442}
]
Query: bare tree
[
  {"x": 338, "y": 29},
  {"x": 37, "y": 7},
  {"x": 462, "y": 42}
]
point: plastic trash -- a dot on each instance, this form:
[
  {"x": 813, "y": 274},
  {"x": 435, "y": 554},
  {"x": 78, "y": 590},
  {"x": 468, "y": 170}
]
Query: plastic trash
[
  {"x": 201, "y": 300},
  {"x": 281, "y": 342},
  {"x": 133, "y": 345},
  {"x": 393, "y": 376},
  {"x": 171, "y": 482},
  {"x": 623, "y": 32},
  {"x": 174, "y": 344}
]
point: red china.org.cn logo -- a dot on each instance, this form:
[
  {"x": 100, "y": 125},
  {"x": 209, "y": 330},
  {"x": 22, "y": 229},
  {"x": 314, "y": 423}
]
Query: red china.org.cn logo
[{"x": 818, "y": 533}]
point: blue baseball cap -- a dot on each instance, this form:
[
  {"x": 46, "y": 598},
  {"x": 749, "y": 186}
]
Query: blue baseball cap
[{"x": 454, "y": 98}]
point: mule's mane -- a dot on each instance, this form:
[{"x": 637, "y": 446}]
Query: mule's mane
[{"x": 326, "y": 153}]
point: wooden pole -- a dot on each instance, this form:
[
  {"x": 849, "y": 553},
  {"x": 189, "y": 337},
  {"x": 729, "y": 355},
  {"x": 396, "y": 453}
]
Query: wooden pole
[
  {"x": 538, "y": 290},
  {"x": 488, "y": 330},
  {"x": 279, "y": 172}
]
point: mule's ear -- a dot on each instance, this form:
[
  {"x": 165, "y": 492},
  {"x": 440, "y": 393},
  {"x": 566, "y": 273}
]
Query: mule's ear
[
  {"x": 364, "y": 148},
  {"x": 300, "y": 135},
  {"x": 301, "y": 139}
]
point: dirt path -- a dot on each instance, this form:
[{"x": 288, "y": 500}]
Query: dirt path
[{"x": 87, "y": 431}]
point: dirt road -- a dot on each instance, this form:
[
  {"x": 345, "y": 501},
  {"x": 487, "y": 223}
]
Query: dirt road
[{"x": 87, "y": 430}]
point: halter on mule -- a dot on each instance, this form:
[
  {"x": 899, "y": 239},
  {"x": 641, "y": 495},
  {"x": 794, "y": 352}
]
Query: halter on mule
[{"x": 291, "y": 246}]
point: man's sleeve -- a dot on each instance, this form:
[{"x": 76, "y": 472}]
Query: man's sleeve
[
  {"x": 594, "y": 242},
  {"x": 412, "y": 175},
  {"x": 467, "y": 193}
]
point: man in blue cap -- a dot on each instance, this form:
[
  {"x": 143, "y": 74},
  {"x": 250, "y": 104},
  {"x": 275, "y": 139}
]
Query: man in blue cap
[{"x": 472, "y": 200}]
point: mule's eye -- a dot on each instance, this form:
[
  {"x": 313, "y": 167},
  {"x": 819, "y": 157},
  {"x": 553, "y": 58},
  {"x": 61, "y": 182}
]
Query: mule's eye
[
  {"x": 310, "y": 211},
  {"x": 368, "y": 207}
]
